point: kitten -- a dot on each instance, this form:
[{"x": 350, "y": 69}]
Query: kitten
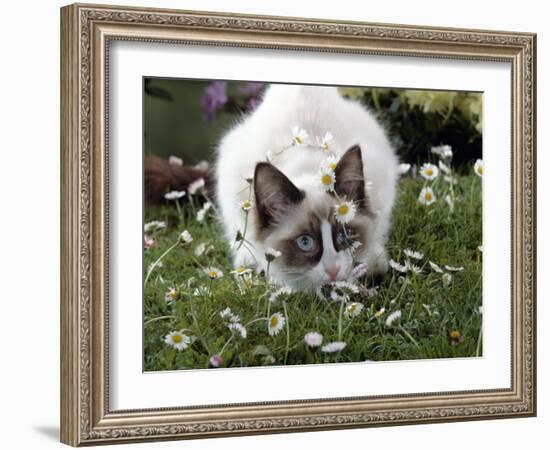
[{"x": 292, "y": 212}]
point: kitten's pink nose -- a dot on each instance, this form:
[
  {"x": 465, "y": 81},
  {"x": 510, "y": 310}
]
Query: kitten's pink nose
[{"x": 332, "y": 272}]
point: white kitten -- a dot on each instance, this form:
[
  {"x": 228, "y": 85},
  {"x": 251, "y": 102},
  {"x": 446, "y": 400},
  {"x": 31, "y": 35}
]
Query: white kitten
[{"x": 282, "y": 147}]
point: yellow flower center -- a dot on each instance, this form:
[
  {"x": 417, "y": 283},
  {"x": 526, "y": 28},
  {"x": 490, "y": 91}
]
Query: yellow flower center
[
  {"x": 173, "y": 294},
  {"x": 212, "y": 274},
  {"x": 177, "y": 338},
  {"x": 246, "y": 204},
  {"x": 352, "y": 307},
  {"x": 429, "y": 172},
  {"x": 332, "y": 165},
  {"x": 325, "y": 146},
  {"x": 298, "y": 140},
  {"x": 343, "y": 210},
  {"x": 240, "y": 269},
  {"x": 326, "y": 180},
  {"x": 454, "y": 334},
  {"x": 428, "y": 197},
  {"x": 480, "y": 170},
  {"x": 273, "y": 321}
]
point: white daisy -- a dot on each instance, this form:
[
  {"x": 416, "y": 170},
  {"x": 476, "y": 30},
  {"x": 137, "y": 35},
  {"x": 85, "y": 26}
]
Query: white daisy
[
  {"x": 271, "y": 254},
  {"x": 329, "y": 163},
  {"x": 201, "y": 291},
  {"x": 393, "y": 317},
  {"x": 353, "y": 309},
  {"x": 333, "y": 347},
  {"x": 447, "y": 278},
  {"x": 345, "y": 212},
  {"x": 326, "y": 141},
  {"x": 278, "y": 293},
  {"x": 478, "y": 167},
  {"x": 454, "y": 269},
  {"x": 435, "y": 267},
  {"x": 413, "y": 268},
  {"x": 327, "y": 179},
  {"x": 299, "y": 136},
  {"x": 213, "y": 273},
  {"x": 241, "y": 271},
  {"x": 174, "y": 195},
  {"x": 200, "y": 249},
  {"x": 275, "y": 324},
  {"x": 429, "y": 171},
  {"x": 399, "y": 267},
  {"x": 175, "y": 161},
  {"x": 245, "y": 205},
  {"x": 427, "y": 196},
  {"x": 202, "y": 212},
  {"x": 154, "y": 225},
  {"x": 480, "y": 248},
  {"x": 359, "y": 270},
  {"x": 378, "y": 313},
  {"x": 403, "y": 168},
  {"x": 444, "y": 167},
  {"x": 178, "y": 340},
  {"x": 443, "y": 151},
  {"x": 412, "y": 254},
  {"x": 228, "y": 315},
  {"x": 236, "y": 326},
  {"x": 313, "y": 339},
  {"x": 186, "y": 237},
  {"x": 195, "y": 186},
  {"x": 171, "y": 295}
]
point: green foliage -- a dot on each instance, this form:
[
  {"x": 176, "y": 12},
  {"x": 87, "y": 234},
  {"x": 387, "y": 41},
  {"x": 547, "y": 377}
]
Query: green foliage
[{"x": 430, "y": 308}]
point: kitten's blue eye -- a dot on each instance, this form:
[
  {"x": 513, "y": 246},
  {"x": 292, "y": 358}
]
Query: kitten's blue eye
[{"x": 305, "y": 242}]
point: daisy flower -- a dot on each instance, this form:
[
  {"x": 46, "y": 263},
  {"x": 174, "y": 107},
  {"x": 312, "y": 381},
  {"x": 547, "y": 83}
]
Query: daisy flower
[
  {"x": 330, "y": 163},
  {"x": 148, "y": 242},
  {"x": 313, "y": 339},
  {"x": 480, "y": 248},
  {"x": 413, "y": 268},
  {"x": 186, "y": 237},
  {"x": 326, "y": 141},
  {"x": 454, "y": 269},
  {"x": 175, "y": 161},
  {"x": 174, "y": 195},
  {"x": 171, "y": 295},
  {"x": 201, "y": 291},
  {"x": 227, "y": 314},
  {"x": 341, "y": 290},
  {"x": 178, "y": 340},
  {"x": 275, "y": 324},
  {"x": 353, "y": 309},
  {"x": 378, "y": 313},
  {"x": 241, "y": 271},
  {"x": 299, "y": 136},
  {"x": 327, "y": 179},
  {"x": 444, "y": 167},
  {"x": 403, "y": 168},
  {"x": 435, "y": 267},
  {"x": 478, "y": 167},
  {"x": 393, "y": 317},
  {"x": 443, "y": 151},
  {"x": 412, "y": 254},
  {"x": 216, "y": 361},
  {"x": 154, "y": 225},
  {"x": 456, "y": 338},
  {"x": 245, "y": 205},
  {"x": 238, "y": 327},
  {"x": 399, "y": 267},
  {"x": 202, "y": 212},
  {"x": 359, "y": 270},
  {"x": 200, "y": 249},
  {"x": 195, "y": 186},
  {"x": 333, "y": 347},
  {"x": 345, "y": 212},
  {"x": 429, "y": 171},
  {"x": 213, "y": 273},
  {"x": 271, "y": 254},
  {"x": 427, "y": 196},
  {"x": 447, "y": 279},
  {"x": 278, "y": 293}
]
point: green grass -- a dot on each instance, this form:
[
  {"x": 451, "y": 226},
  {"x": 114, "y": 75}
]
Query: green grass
[{"x": 430, "y": 309}]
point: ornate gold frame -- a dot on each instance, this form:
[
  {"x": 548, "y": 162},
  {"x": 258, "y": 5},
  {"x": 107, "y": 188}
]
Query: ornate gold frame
[{"x": 86, "y": 31}]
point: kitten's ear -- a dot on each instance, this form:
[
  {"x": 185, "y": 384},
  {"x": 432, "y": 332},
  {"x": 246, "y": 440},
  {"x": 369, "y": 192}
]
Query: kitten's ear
[
  {"x": 274, "y": 193},
  {"x": 350, "y": 178}
]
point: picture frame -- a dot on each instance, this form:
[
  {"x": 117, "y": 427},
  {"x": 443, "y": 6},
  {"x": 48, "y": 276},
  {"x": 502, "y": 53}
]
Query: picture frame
[{"x": 87, "y": 32}]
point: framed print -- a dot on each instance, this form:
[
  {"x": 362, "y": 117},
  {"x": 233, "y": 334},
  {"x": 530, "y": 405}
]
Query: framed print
[{"x": 278, "y": 224}]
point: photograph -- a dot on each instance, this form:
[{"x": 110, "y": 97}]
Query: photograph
[{"x": 288, "y": 224}]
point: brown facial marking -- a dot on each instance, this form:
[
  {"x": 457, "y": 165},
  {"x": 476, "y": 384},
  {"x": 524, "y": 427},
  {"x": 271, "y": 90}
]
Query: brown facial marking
[
  {"x": 350, "y": 178},
  {"x": 353, "y": 231},
  {"x": 292, "y": 255}
]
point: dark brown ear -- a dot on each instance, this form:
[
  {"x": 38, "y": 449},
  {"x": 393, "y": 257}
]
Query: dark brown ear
[
  {"x": 274, "y": 193},
  {"x": 350, "y": 179}
]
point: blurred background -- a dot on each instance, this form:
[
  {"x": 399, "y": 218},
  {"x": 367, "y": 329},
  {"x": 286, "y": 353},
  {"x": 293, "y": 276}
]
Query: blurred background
[{"x": 186, "y": 118}]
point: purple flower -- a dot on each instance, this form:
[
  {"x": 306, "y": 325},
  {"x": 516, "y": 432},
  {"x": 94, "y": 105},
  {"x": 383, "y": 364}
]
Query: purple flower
[
  {"x": 214, "y": 99},
  {"x": 252, "y": 88},
  {"x": 216, "y": 360}
]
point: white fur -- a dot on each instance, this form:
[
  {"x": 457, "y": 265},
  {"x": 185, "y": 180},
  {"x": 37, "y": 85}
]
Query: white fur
[{"x": 317, "y": 110}]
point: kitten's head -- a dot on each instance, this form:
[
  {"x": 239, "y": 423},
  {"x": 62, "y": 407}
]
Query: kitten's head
[{"x": 301, "y": 224}]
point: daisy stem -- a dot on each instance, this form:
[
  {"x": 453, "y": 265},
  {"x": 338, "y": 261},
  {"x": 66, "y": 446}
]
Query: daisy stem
[
  {"x": 244, "y": 231},
  {"x": 154, "y": 319},
  {"x": 158, "y": 260},
  {"x": 406, "y": 333},
  {"x": 180, "y": 212},
  {"x": 287, "y": 331},
  {"x": 340, "y": 315}
]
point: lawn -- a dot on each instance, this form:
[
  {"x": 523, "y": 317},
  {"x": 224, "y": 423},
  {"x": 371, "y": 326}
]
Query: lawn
[{"x": 435, "y": 313}]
